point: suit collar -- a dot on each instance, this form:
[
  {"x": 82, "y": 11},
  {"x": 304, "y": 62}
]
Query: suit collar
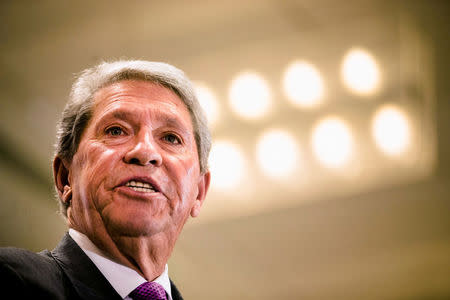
[
  {"x": 122, "y": 278},
  {"x": 176, "y": 295},
  {"x": 86, "y": 279}
]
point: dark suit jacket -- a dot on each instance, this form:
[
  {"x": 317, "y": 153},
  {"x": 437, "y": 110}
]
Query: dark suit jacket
[{"x": 64, "y": 273}]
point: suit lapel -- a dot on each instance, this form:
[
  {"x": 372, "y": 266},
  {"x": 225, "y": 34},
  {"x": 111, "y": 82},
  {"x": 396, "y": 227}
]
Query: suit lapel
[
  {"x": 175, "y": 293},
  {"x": 86, "y": 279}
]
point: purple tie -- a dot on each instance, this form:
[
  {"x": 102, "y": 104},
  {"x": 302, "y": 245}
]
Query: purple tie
[{"x": 149, "y": 291}]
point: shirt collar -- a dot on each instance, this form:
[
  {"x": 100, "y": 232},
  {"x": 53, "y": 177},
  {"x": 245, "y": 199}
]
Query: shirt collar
[{"x": 122, "y": 278}]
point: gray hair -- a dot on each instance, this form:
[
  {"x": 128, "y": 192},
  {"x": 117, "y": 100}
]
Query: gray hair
[{"x": 78, "y": 109}]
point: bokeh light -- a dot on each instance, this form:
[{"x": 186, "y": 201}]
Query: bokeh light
[
  {"x": 360, "y": 72},
  {"x": 303, "y": 84},
  {"x": 249, "y": 96},
  {"x": 208, "y": 102},
  {"x": 277, "y": 153},
  {"x": 391, "y": 130},
  {"x": 226, "y": 163},
  {"x": 332, "y": 142}
]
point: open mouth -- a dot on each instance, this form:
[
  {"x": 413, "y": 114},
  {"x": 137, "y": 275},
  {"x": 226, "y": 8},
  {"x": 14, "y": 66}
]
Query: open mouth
[{"x": 140, "y": 186}]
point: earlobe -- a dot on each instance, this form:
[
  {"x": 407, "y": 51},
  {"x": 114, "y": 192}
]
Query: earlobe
[
  {"x": 203, "y": 186},
  {"x": 62, "y": 181},
  {"x": 67, "y": 195}
]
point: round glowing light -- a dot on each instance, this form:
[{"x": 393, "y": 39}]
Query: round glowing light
[
  {"x": 391, "y": 130},
  {"x": 208, "y": 101},
  {"x": 249, "y": 96},
  {"x": 360, "y": 72},
  {"x": 332, "y": 142},
  {"x": 277, "y": 153},
  {"x": 303, "y": 84},
  {"x": 226, "y": 164}
]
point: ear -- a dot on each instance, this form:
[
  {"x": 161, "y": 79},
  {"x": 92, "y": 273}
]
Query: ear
[
  {"x": 203, "y": 185},
  {"x": 62, "y": 181}
]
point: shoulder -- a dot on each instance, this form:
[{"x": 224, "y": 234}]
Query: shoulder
[
  {"x": 29, "y": 273},
  {"x": 26, "y": 262},
  {"x": 17, "y": 256}
]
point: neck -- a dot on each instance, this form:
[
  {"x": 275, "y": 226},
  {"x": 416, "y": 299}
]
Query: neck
[{"x": 147, "y": 255}]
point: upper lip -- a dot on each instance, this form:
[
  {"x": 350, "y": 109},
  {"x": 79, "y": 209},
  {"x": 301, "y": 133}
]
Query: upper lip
[{"x": 145, "y": 179}]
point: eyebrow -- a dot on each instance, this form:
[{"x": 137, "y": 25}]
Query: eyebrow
[
  {"x": 166, "y": 119},
  {"x": 172, "y": 122},
  {"x": 122, "y": 115}
]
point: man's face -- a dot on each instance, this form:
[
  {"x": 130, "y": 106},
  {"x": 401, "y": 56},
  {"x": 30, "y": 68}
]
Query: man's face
[{"x": 136, "y": 171}]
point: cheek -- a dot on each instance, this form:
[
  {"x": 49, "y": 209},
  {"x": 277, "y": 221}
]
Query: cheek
[
  {"x": 95, "y": 164},
  {"x": 102, "y": 163},
  {"x": 186, "y": 174}
]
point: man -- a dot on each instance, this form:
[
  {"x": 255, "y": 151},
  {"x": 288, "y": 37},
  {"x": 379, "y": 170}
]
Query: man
[{"x": 130, "y": 168}]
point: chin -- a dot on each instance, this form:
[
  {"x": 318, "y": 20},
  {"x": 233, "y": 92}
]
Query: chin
[
  {"x": 135, "y": 218},
  {"x": 134, "y": 226}
]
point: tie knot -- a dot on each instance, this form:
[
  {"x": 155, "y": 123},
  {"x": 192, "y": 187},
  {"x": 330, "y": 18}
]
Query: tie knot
[{"x": 149, "y": 291}]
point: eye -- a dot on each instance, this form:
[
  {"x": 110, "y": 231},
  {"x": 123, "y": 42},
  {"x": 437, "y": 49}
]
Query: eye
[
  {"x": 172, "y": 138},
  {"x": 114, "y": 131}
]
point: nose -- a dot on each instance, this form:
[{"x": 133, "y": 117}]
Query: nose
[{"x": 143, "y": 151}]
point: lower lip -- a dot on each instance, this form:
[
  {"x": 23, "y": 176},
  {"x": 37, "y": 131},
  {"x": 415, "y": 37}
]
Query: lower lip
[{"x": 129, "y": 192}]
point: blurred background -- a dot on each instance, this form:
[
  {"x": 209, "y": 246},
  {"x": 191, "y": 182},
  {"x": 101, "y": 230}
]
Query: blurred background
[{"x": 330, "y": 120}]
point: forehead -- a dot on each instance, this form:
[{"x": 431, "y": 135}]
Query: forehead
[{"x": 137, "y": 97}]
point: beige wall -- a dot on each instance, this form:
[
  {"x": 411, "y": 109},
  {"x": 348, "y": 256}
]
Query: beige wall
[{"x": 383, "y": 236}]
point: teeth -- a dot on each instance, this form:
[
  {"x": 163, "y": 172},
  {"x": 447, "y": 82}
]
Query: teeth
[
  {"x": 140, "y": 186},
  {"x": 141, "y": 189}
]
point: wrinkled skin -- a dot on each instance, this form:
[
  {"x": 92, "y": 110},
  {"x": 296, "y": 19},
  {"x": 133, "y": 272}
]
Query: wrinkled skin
[{"x": 139, "y": 131}]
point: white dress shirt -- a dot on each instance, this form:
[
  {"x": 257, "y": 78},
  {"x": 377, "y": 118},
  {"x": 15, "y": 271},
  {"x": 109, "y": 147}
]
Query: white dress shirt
[{"x": 122, "y": 278}]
